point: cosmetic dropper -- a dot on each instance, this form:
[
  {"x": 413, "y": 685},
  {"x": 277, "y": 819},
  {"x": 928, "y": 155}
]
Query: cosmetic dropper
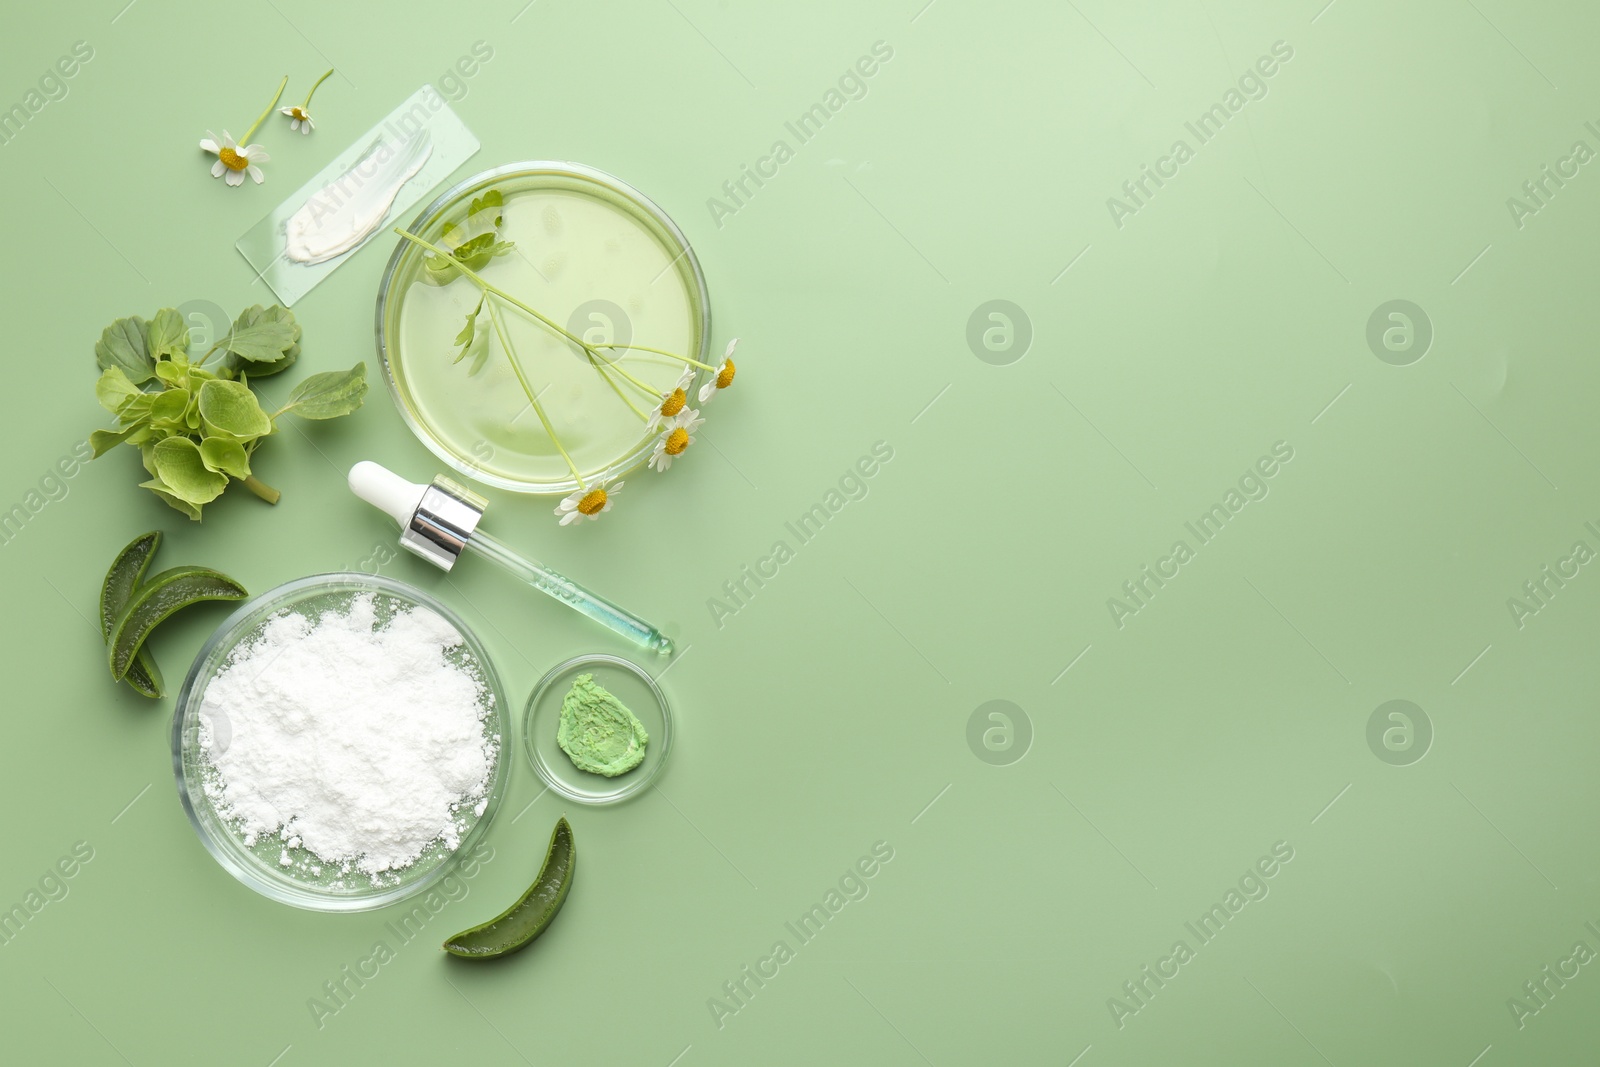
[{"x": 440, "y": 521}]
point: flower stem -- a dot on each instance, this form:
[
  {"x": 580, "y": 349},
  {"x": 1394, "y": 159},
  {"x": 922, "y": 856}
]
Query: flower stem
[
  {"x": 262, "y": 489},
  {"x": 313, "y": 91},
  {"x": 600, "y": 367},
  {"x": 263, "y": 118},
  {"x": 649, "y": 390},
  {"x": 663, "y": 352},
  {"x": 533, "y": 397}
]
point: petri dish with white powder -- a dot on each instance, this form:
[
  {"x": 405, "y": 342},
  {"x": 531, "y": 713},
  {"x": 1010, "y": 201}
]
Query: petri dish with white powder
[{"x": 339, "y": 742}]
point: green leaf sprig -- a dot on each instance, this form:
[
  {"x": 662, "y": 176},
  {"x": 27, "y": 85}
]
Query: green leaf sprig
[
  {"x": 195, "y": 428},
  {"x": 472, "y": 245}
]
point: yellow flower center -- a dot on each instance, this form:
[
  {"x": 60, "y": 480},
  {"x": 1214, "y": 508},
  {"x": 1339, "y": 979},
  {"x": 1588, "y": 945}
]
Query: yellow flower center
[
  {"x": 232, "y": 160},
  {"x": 592, "y": 502},
  {"x": 677, "y": 441},
  {"x": 725, "y": 375},
  {"x": 674, "y": 403},
  {"x": 298, "y": 113}
]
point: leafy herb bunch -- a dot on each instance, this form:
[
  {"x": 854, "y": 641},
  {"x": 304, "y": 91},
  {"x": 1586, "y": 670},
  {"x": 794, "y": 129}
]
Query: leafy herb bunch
[{"x": 198, "y": 428}]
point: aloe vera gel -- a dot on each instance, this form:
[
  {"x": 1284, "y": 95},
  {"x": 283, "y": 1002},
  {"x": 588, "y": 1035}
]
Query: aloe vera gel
[{"x": 598, "y": 732}]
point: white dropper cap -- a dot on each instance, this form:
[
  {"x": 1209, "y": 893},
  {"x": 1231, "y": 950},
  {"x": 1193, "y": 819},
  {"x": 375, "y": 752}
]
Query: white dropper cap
[{"x": 386, "y": 491}]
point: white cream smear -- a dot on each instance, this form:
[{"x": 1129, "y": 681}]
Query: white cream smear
[{"x": 347, "y": 210}]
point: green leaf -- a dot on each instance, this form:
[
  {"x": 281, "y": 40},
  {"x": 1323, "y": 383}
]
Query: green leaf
[
  {"x": 225, "y": 455},
  {"x": 174, "y": 372},
  {"x": 122, "y": 344},
  {"x": 114, "y": 390},
  {"x": 166, "y": 411},
  {"x": 159, "y": 488},
  {"x": 468, "y": 332},
  {"x": 103, "y": 441},
  {"x": 234, "y": 367},
  {"x": 441, "y": 269},
  {"x": 473, "y": 245},
  {"x": 143, "y": 433},
  {"x": 184, "y": 474},
  {"x": 167, "y": 334},
  {"x": 329, "y": 395},
  {"x": 476, "y": 252},
  {"x": 492, "y": 200},
  {"x": 230, "y": 409},
  {"x": 136, "y": 408},
  {"x": 262, "y": 335}
]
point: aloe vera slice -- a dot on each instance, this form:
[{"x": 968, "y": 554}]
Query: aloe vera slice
[
  {"x": 518, "y": 925},
  {"x": 126, "y": 572},
  {"x": 158, "y": 600}
]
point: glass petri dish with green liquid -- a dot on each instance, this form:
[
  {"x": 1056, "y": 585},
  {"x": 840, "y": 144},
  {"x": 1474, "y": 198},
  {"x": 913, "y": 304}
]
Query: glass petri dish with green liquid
[{"x": 591, "y": 253}]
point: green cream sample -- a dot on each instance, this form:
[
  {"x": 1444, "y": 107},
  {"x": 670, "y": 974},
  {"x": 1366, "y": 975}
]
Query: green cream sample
[{"x": 598, "y": 732}]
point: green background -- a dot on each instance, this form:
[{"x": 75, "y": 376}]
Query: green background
[{"x": 831, "y": 712}]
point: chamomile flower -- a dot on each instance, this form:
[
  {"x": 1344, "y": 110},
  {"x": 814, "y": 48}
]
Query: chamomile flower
[
  {"x": 676, "y": 436},
  {"x": 724, "y": 376},
  {"x": 589, "y": 503},
  {"x": 673, "y": 401},
  {"x": 299, "y": 118},
  {"x": 233, "y": 160}
]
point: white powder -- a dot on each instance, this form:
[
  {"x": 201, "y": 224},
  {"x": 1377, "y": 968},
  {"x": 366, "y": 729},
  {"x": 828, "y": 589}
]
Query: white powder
[{"x": 356, "y": 740}]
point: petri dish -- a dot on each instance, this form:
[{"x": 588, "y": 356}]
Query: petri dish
[
  {"x": 626, "y": 681},
  {"x": 592, "y": 254},
  {"x": 307, "y": 882}
]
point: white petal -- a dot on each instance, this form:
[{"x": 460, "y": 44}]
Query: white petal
[
  {"x": 210, "y": 144},
  {"x": 286, "y": 111},
  {"x": 255, "y": 154},
  {"x": 613, "y": 490},
  {"x": 255, "y": 172},
  {"x": 234, "y": 177},
  {"x": 228, "y": 141},
  {"x": 707, "y": 391},
  {"x": 308, "y": 125},
  {"x": 217, "y": 168},
  {"x": 571, "y": 517},
  {"x": 731, "y": 346}
]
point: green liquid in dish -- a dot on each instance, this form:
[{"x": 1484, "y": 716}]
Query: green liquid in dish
[
  {"x": 598, "y": 732},
  {"x": 579, "y": 258}
]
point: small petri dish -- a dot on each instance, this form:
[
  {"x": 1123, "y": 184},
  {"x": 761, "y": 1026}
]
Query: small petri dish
[
  {"x": 306, "y": 882},
  {"x": 593, "y": 255},
  {"x": 626, "y": 681}
]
